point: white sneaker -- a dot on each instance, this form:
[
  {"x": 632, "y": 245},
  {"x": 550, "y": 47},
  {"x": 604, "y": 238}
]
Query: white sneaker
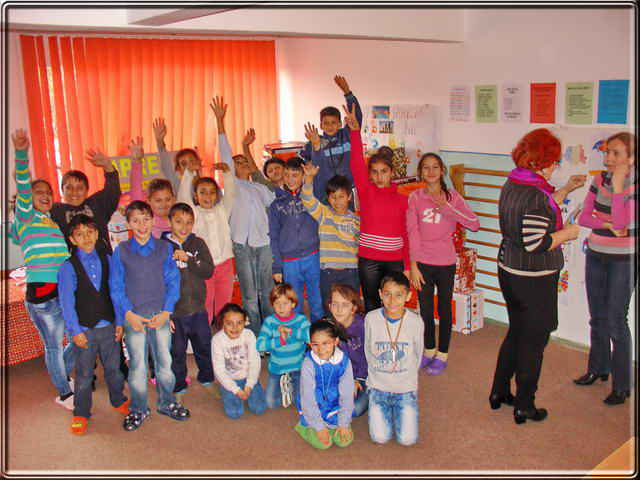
[
  {"x": 286, "y": 387},
  {"x": 189, "y": 347},
  {"x": 67, "y": 403}
]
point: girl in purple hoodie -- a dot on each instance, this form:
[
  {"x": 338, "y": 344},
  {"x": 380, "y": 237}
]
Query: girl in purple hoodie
[{"x": 432, "y": 216}]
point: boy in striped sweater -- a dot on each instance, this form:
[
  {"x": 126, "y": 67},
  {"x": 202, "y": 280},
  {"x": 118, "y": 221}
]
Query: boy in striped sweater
[
  {"x": 44, "y": 250},
  {"x": 338, "y": 230},
  {"x": 284, "y": 335}
]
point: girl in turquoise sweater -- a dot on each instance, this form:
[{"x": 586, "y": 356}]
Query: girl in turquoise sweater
[{"x": 44, "y": 250}]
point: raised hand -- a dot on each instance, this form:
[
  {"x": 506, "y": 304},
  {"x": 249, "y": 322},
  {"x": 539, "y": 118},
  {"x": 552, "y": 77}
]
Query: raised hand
[
  {"x": 350, "y": 117},
  {"x": 311, "y": 132},
  {"x": 159, "y": 130},
  {"x": 20, "y": 139},
  {"x": 249, "y": 137},
  {"x": 99, "y": 159},
  {"x": 310, "y": 170},
  {"x": 136, "y": 150},
  {"x": 575, "y": 181},
  {"x": 221, "y": 166},
  {"x": 218, "y": 107},
  {"x": 342, "y": 83}
]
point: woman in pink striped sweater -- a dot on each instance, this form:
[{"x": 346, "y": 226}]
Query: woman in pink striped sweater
[
  {"x": 384, "y": 246},
  {"x": 432, "y": 216}
]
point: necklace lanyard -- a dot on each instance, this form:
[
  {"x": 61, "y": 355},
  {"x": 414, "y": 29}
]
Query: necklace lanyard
[{"x": 394, "y": 343}]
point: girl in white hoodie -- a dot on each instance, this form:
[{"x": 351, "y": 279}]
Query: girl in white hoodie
[{"x": 212, "y": 210}]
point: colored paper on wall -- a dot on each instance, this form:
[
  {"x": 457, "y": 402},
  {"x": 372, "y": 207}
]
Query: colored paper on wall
[
  {"x": 543, "y": 103},
  {"x": 150, "y": 169},
  {"x": 613, "y": 97},
  {"x": 512, "y": 102},
  {"x": 579, "y": 103},
  {"x": 486, "y": 104},
  {"x": 460, "y": 104}
]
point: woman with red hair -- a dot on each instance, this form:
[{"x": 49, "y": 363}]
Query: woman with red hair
[{"x": 529, "y": 264}]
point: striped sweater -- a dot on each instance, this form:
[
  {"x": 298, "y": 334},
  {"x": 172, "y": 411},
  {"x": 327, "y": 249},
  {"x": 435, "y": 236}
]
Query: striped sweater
[
  {"x": 602, "y": 205},
  {"x": 284, "y": 356},
  {"x": 338, "y": 233},
  {"x": 41, "y": 240}
]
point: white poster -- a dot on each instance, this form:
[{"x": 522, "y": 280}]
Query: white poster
[
  {"x": 410, "y": 130},
  {"x": 512, "y": 102},
  {"x": 460, "y": 104}
]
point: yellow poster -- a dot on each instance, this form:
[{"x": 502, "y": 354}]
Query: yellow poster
[{"x": 150, "y": 169}]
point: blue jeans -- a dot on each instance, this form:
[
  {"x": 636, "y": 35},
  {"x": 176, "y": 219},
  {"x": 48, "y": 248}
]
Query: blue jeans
[
  {"x": 610, "y": 285},
  {"x": 389, "y": 412},
  {"x": 48, "y": 320},
  {"x": 329, "y": 276},
  {"x": 139, "y": 344},
  {"x": 361, "y": 402},
  {"x": 305, "y": 270},
  {"x": 234, "y": 407},
  {"x": 253, "y": 266},
  {"x": 274, "y": 394}
]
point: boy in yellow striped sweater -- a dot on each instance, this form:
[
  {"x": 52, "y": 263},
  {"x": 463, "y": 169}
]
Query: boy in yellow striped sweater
[{"x": 338, "y": 229}]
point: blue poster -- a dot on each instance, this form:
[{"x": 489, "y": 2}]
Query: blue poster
[{"x": 612, "y": 101}]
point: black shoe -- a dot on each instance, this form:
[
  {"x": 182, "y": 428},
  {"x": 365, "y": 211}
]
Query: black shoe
[
  {"x": 590, "y": 378},
  {"x": 496, "y": 400},
  {"x": 535, "y": 414},
  {"x": 617, "y": 397}
]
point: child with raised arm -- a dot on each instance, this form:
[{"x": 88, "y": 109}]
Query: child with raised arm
[
  {"x": 83, "y": 282},
  {"x": 160, "y": 194},
  {"x": 101, "y": 205},
  {"x": 338, "y": 229},
  {"x": 44, "y": 250},
  {"x": 249, "y": 225},
  {"x": 236, "y": 363},
  {"x": 284, "y": 335},
  {"x": 189, "y": 321},
  {"x": 393, "y": 347},
  {"x": 432, "y": 216},
  {"x": 384, "y": 246},
  {"x": 331, "y": 151},
  {"x": 347, "y": 312},
  {"x": 326, "y": 390},
  {"x": 294, "y": 240},
  {"x": 145, "y": 285},
  {"x": 212, "y": 210}
]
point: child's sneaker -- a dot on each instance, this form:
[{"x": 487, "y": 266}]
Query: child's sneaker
[
  {"x": 66, "y": 402},
  {"x": 426, "y": 361},
  {"x": 124, "y": 408},
  {"x": 78, "y": 425},
  {"x": 176, "y": 411},
  {"x": 286, "y": 387},
  {"x": 188, "y": 380},
  {"x": 133, "y": 420},
  {"x": 437, "y": 366},
  {"x": 153, "y": 379},
  {"x": 71, "y": 383}
]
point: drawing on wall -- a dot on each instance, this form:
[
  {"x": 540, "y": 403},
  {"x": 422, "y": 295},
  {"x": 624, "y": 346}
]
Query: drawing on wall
[
  {"x": 563, "y": 287},
  {"x": 409, "y": 130}
]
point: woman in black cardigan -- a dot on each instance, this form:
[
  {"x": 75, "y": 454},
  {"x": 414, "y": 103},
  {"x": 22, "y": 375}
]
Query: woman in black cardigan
[{"x": 529, "y": 264}]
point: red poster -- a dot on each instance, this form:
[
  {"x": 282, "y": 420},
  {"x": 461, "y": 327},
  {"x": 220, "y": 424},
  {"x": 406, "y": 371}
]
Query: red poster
[{"x": 543, "y": 103}]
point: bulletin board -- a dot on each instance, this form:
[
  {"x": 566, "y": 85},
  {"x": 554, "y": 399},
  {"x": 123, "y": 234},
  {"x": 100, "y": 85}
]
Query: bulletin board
[{"x": 410, "y": 130}]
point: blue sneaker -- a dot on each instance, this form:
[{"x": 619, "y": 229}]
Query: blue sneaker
[{"x": 437, "y": 366}]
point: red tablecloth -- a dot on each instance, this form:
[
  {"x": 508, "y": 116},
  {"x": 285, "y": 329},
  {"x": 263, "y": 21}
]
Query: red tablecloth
[{"x": 20, "y": 339}]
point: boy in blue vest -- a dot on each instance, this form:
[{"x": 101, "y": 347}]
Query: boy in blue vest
[
  {"x": 145, "y": 285},
  {"x": 83, "y": 286},
  {"x": 295, "y": 244}
]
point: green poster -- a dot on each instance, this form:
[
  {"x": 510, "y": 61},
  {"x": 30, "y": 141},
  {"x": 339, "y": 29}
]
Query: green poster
[
  {"x": 578, "y": 108},
  {"x": 486, "y": 103}
]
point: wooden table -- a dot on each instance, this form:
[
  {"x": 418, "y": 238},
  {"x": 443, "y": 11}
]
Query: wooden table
[{"x": 20, "y": 341}]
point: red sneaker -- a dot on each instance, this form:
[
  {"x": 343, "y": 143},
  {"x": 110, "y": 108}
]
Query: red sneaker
[{"x": 124, "y": 408}]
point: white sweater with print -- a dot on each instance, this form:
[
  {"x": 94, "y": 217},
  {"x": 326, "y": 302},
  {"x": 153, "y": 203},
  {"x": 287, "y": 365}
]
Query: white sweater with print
[{"x": 235, "y": 359}]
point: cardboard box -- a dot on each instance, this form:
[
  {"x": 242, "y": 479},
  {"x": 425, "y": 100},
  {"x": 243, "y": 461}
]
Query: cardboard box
[
  {"x": 465, "y": 276},
  {"x": 467, "y": 311}
]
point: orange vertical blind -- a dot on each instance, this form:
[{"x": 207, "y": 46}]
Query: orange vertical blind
[{"x": 107, "y": 91}]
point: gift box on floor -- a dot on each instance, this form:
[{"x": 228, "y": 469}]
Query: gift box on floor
[
  {"x": 467, "y": 311},
  {"x": 465, "y": 276}
]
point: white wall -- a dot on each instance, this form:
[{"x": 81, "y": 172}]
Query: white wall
[{"x": 502, "y": 46}]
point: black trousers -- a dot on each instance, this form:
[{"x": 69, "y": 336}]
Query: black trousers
[
  {"x": 371, "y": 273},
  {"x": 441, "y": 276},
  {"x": 197, "y": 329},
  {"x": 532, "y": 306}
]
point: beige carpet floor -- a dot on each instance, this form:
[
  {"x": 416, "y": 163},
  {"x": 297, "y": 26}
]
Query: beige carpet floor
[{"x": 459, "y": 433}]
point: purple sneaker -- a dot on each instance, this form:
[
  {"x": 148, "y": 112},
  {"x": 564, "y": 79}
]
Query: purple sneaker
[
  {"x": 437, "y": 367},
  {"x": 426, "y": 361}
]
